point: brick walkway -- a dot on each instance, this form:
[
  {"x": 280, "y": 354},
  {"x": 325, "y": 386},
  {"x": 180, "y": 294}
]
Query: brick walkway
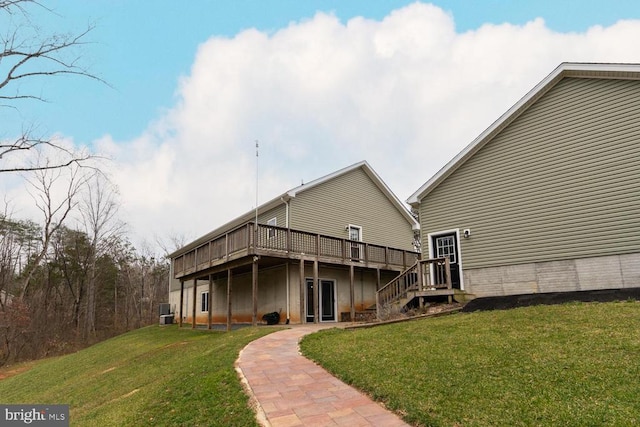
[{"x": 290, "y": 390}]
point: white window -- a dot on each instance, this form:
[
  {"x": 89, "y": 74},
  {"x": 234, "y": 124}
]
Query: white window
[
  {"x": 273, "y": 222},
  {"x": 355, "y": 234},
  {"x": 446, "y": 248},
  {"x": 204, "y": 302}
]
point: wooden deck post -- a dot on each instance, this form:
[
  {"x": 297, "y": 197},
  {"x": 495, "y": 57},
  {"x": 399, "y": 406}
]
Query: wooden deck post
[
  {"x": 195, "y": 300},
  {"x": 447, "y": 270},
  {"x": 303, "y": 282},
  {"x": 352, "y": 294},
  {"x": 254, "y": 291},
  {"x": 316, "y": 304},
  {"x": 181, "y": 303},
  {"x": 226, "y": 247},
  {"x": 209, "y": 305},
  {"x": 229, "y": 279},
  {"x": 420, "y": 282}
]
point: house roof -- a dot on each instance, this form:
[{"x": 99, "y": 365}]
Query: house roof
[
  {"x": 566, "y": 69},
  {"x": 285, "y": 197}
]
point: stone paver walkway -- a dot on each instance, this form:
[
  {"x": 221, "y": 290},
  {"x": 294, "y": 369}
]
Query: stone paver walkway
[{"x": 290, "y": 390}]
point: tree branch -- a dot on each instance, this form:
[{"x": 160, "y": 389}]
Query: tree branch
[{"x": 26, "y": 55}]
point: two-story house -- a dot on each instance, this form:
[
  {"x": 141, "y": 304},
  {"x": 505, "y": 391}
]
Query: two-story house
[{"x": 318, "y": 253}]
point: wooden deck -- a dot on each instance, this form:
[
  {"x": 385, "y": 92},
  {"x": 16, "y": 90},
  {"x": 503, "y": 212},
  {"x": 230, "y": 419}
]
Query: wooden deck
[{"x": 277, "y": 242}]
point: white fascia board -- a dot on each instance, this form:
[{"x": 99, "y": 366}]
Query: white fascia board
[{"x": 318, "y": 181}]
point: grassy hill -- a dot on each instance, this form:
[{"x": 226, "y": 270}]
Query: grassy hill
[
  {"x": 151, "y": 376},
  {"x": 570, "y": 365},
  {"x": 566, "y": 365}
]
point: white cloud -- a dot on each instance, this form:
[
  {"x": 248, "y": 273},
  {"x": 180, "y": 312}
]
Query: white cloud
[{"x": 405, "y": 93}]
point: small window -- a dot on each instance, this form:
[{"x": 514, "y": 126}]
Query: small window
[
  {"x": 355, "y": 233},
  {"x": 204, "y": 302},
  {"x": 273, "y": 222}
]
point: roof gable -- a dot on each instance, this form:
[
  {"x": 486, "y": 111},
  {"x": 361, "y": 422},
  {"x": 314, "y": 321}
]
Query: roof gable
[
  {"x": 283, "y": 198},
  {"x": 564, "y": 70},
  {"x": 364, "y": 165}
]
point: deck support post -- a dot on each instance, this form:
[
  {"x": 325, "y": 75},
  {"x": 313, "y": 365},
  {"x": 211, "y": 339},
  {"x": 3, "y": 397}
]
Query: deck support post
[
  {"x": 195, "y": 299},
  {"x": 254, "y": 291},
  {"x": 447, "y": 269},
  {"x": 181, "y": 303},
  {"x": 316, "y": 305},
  {"x": 352, "y": 293},
  {"x": 229, "y": 279},
  {"x": 420, "y": 283},
  {"x": 210, "y": 300},
  {"x": 303, "y": 318}
]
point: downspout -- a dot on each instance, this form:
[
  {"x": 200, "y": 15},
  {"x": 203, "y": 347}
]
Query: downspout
[{"x": 286, "y": 220}]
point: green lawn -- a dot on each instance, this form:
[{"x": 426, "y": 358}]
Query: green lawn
[
  {"x": 566, "y": 365},
  {"x": 152, "y": 376}
]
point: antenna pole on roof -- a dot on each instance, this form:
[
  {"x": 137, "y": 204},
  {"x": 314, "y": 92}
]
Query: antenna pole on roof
[{"x": 256, "y": 225}]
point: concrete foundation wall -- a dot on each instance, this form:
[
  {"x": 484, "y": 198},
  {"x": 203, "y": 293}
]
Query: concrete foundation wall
[{"x": 583, "y": 274}]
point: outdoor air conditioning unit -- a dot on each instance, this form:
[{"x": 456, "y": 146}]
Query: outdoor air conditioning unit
[
  {"x": 166, "y": 319},
  {"x": 165, "y": 308}
]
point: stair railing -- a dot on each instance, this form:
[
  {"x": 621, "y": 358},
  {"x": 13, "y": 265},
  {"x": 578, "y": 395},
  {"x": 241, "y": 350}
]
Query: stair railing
[{"x": 423, "y": 276}]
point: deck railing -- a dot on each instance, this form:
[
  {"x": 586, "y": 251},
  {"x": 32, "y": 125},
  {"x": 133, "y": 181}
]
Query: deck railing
[
  {"x": 279, "y": 241},
  {"x": 424, "y": 275}
]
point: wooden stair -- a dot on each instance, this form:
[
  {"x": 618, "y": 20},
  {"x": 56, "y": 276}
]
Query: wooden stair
[{"x": 424, "y": 279}]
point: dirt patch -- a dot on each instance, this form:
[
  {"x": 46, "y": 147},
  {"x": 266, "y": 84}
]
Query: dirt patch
[
  {"x": 10, "y": 372},
  {"x": 131, "y": 393}
]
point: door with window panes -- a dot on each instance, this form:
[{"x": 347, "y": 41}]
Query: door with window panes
[
  {"x": 446, "y": 246},
  {"x": 355, "y": 235}
]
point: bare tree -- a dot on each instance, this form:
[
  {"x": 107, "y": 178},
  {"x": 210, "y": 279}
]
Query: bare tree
[
  {"x": 27, "y": 55},
  {"x": 98, "y": 208},
  {"x": 55, "y": 194}
]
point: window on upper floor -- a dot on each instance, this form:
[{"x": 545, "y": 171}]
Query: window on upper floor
[
  {"x": 355, "y": 233},
  {"x": 273, "y": 222}
]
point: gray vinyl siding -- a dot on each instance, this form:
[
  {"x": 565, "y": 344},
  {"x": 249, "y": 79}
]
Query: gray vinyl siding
[
  {"x": 352, "y": 198},
  {"x": 560, "y": 182},
  {"x": 280, "y": 213}
]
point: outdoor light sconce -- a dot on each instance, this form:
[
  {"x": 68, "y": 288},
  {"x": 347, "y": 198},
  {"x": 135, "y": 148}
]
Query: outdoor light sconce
[{"x": 466, "y": 233}]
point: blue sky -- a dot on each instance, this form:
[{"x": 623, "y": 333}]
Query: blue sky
[
  {"x": 322, "y": 85},
  {"x": 141, "y": 48}
]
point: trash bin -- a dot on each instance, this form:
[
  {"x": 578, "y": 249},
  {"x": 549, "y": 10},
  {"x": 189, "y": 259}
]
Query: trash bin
[{"x": 271, "y": 318}]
